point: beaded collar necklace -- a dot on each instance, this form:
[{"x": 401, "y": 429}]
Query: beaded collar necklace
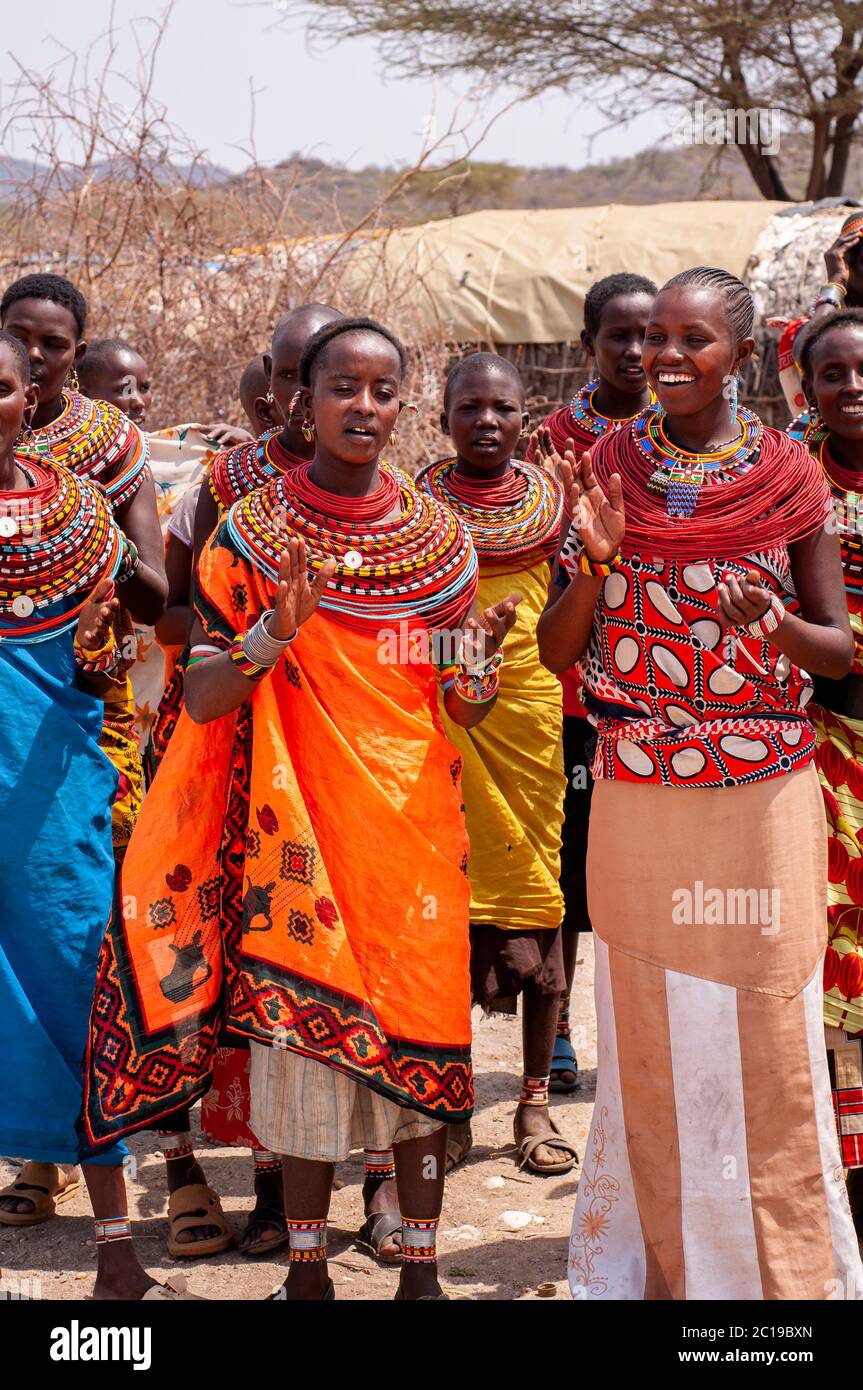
[
  {"x": 90, "y": 438},
  {"x": 419, "y": 563},
  {"x": 512, "y": 518},
  {"x": 679, "y": 474},
  {"x": 585, "y": 414},
  {"x": 57, "y": 539}
]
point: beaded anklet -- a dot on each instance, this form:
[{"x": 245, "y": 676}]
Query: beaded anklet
[
  {"x": 380, "y": 1164},
  {"x": 266, "y": 1162},
  {"x": 308, "y": 1241},
  {"x": 534, "y": 1090},
  {"x": 419, "y": 1241},
  {"x": 175, "y": 1143},
  {"x": 110, "y": 1229}
]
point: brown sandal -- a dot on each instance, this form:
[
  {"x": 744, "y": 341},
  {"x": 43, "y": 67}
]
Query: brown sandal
[
  {"x": 457, "y": 1149},
  {"x": 189, "y": 1209},
  {"x": 45, "y": 1186},
  {"x": 554, "y": 1139}
]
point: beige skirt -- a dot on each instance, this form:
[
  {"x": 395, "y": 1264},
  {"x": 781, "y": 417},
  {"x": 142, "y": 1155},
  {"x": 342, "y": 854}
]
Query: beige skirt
[
  {"x": 712, "y": 1168},
  {"x": 304, "y": 1109}
]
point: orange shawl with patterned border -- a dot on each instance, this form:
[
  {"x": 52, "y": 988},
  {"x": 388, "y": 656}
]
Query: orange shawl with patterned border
[{"x": 298, "y": 874}]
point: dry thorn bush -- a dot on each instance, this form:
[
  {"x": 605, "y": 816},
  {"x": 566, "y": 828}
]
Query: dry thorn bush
[{"x": 192, "y": 271}]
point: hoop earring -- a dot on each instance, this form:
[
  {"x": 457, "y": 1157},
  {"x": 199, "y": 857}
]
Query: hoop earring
[{"x": 308, "y": 430}]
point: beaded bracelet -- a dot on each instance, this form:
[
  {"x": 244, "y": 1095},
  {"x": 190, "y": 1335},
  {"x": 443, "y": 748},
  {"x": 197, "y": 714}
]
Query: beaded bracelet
[
  {"x": 96, "y": 660},
  {"x": 251, "y": 669},
  {"x": 479, "y": 689},
  {"x": 129, "y": 562},
  {"x": 599, "y": 569},
  {"x": 769, "y": 621},
  {"x": 446, "y": 675}
]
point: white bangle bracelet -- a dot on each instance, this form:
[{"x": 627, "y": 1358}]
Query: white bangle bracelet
[{"x": 259, "y": 644}]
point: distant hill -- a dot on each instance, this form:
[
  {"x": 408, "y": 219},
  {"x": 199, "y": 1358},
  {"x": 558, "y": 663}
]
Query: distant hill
[
  {"x": 662, "y": 174},
  {"x": 17, "y": 176}
]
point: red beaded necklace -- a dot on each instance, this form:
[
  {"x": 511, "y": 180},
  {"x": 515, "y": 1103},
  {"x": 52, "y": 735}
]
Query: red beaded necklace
[
  {"x": 780, "y": 499},
  {"x": 359, "y": 511}
]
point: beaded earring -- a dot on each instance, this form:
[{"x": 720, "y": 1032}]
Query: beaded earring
[
  {"x": 308, "y": 430},
  {"x": 394, "y": 438},
  {"x": 734, "y": 396},
  {"x": 72, "y": 381}
]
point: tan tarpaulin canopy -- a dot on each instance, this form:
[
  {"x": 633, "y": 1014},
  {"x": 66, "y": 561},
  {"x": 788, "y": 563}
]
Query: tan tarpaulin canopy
[{"x": 521, "y": 276}]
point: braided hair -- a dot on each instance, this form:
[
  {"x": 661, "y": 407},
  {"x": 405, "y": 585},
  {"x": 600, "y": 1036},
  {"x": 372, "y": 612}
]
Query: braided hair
[
  {"x": 315, "y": 352},
  {"x": 828, "y": 323},
  {"x": 612, "y": 287},
  {"x": 736, "y": 298}
]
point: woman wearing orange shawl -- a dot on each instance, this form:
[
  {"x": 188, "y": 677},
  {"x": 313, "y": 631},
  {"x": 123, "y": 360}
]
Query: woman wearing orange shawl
[{"x": 299, "y": 871}]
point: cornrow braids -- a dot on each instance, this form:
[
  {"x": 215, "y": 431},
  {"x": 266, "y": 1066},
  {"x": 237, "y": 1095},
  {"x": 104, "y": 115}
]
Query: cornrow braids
[
  {"x": 736, "y": 298},
  {"x": 20, "y": 353},
  {"x": 314, "y": 353},
  {"x": 612, "y": 287},
  {"x": 812, "y": 333},
  {"x": 481, "y": 361},
  {"x": 54, "y": 287}
]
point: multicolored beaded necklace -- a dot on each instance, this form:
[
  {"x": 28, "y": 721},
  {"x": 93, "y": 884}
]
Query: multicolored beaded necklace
[
  {"x": 581, "y": 422},
  {"x": 846, "y": 485},
  {"x": 586, "y": 417},
  {"x": 514, "y": 519},
  {"x": 777, "y": 501},
  {"x": 91, "y": 438},
  {"x": 420, "y": 563},
  {"x": 57, "y": 539},
  {"x": 238, "y": 471},
  {"x": 678, "y": 474}
]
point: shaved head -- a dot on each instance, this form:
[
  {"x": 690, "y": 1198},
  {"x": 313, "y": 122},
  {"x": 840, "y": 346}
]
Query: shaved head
[
  {"x": 254, "y": 382},
  {"x": 296, "y": 326}
]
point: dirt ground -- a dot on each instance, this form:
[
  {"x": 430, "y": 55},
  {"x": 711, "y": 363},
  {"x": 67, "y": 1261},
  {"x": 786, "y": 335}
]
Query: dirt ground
[{"x": 481, "y": 1256}]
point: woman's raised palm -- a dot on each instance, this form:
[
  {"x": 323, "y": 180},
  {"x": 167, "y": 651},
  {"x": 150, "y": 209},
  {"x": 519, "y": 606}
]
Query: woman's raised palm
[{"x": 598, "y": 516}]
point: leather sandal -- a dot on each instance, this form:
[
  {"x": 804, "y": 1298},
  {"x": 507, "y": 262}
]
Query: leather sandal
[
  {"x": 554, "y": 1139},
  {"x": 376, "y": 1230},
  {"x": 43, "y": 1184},
  {"x": 189, "y": 1209}
]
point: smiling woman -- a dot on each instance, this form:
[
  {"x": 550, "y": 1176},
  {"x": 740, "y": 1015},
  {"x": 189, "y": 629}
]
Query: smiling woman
[
  {"x": 689, "y": 526},
  {"x": 831, "y": 359}
]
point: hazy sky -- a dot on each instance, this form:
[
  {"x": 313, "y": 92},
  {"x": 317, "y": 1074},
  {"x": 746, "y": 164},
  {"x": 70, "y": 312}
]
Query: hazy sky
[{"x": 339, "y": 105}]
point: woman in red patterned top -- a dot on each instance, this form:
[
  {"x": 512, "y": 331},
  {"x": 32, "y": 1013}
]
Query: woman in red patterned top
[
  {"x": 712, "y": 1164},
  {"x": 832, "y": 362}
]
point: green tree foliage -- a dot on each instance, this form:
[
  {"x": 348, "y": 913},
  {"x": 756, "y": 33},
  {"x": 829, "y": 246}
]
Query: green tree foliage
[{"x": 800, "y": 59}]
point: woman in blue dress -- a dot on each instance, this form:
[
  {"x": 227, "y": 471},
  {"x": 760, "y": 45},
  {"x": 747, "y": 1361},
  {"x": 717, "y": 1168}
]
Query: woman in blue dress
[{"x": 59, "y": 551}]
